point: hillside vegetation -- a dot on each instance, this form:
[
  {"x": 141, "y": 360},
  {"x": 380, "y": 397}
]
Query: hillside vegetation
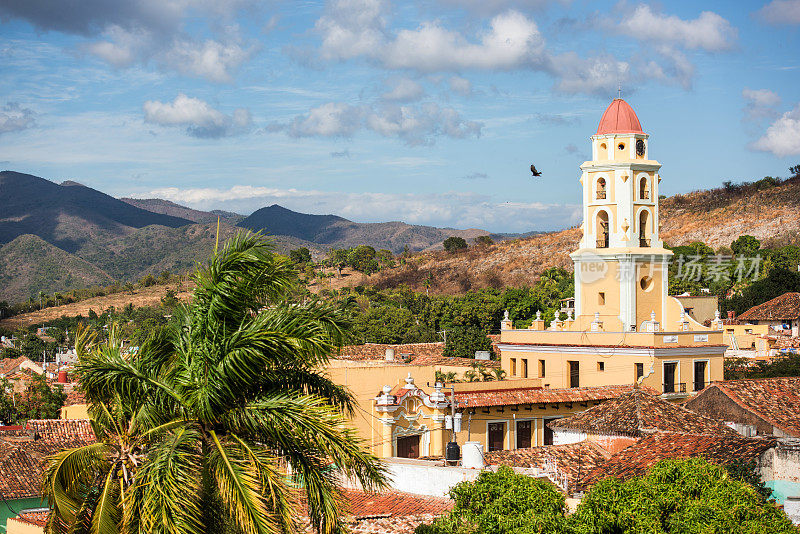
[
  {"x": 335, "y": 231},
  {"x": 769, "y": 211}
]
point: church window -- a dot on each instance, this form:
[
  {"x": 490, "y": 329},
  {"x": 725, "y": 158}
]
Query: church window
[
  {"x": 621, "y": 146},
  {"x": 644, "y": 192},
  {"x": 602, "y": 229},
  {"x": 644, "y": 217},
  {"x": 601, "y": 188},
  {"x": 601, "y": 298},
  {"x": 646, "y": 283}
]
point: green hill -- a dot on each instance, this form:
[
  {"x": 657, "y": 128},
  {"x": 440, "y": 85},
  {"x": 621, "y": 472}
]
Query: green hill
[{"x": 29, "y": 264}]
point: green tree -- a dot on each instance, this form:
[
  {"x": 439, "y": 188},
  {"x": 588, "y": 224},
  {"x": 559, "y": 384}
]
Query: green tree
[
  {"x": 484, "y": 241},
  {"x": 8, "y": 411},
  {"x": 454, "y": 244},
  {"x": 300, "y": 256},
  {"x": 684, "y": 496},
  {"x": 237, "y": 378},
  {"x": 463, "y": 341},
  {"x": 502, "y": 502},
  {"x": 39, "y": 401},
  {"x": 362, "y": 258},
  {"x": 746, "y": 245}
]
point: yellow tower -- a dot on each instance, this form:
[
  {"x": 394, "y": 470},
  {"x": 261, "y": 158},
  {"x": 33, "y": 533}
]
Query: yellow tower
[{"x": 621, "y": 264}]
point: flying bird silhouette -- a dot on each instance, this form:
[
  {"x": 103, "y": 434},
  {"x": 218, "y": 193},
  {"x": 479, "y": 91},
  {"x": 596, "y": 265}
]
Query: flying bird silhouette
[{"x": 534, "y": 171}]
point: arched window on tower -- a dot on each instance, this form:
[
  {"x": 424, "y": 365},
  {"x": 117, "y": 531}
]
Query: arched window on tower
[
  {"x": 644, "y": 219},
  {"x": 644, "y": 190},
  {"x": 602, "y": 229},
  {"x": 601, "y": 189}
]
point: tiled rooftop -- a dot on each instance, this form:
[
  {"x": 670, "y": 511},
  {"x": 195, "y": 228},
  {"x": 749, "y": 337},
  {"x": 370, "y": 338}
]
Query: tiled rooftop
[
  {"x": 505, "y": 397},
  {"x": 776, "y": 400},
  {"x": 62, "y": 430},
  {"x": 638, "y": 458},
  {"x": 392, "y": 512},
  {"x": 37, "y": 518},
  {"x": 409, "y": 353},
  {"x": 22, "y": 461},
  {"x": 639, "y": 412},
  {"x": 784, "y": 307},
  {"x": 574, "y": 460}
]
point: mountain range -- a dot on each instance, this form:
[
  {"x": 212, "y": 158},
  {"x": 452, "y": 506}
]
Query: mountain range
[{"x": 57, "y": 237}]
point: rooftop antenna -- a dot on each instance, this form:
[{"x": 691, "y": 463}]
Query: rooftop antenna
[{"x": 619, "y": 89}]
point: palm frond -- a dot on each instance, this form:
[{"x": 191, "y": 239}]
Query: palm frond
[
  {"x": 165, "y": 497},
  {"x": 107, "y": 515},
  {"x": 238, "y": 485}
]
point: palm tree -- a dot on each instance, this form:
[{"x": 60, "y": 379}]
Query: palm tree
[{"x": 239, "y": 417}]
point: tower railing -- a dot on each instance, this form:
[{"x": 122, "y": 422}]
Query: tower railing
[
  {"x": 644, "y": 242},
  {"x": 603, "y": 242},
  {"x": 601, "y": 194}
]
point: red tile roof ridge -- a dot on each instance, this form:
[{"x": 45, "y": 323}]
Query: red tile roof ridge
[
  {"x": 729, "y": 387},
  {"x": 786, "y": 306}
]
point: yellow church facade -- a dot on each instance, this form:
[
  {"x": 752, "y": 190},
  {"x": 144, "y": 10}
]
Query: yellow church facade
[
  {"x": 624, "y": 331},
  {"x": 626, "y": 328}
]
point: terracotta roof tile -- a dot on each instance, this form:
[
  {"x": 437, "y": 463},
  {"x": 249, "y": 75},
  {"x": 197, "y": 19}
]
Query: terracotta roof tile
[
  {"x": 34, "y": 517},
  {"x": 574, "y": 460},
  {"x": 409, "y": 353},
  {"x": 639, "y": 412},
  {"x": 392, "y": 512},
  {"x": 784, "y": 307},
  {"x": 637, "y": 459},
  {"x": 22, "y": 460},
  {"x": 61, "y": 430},
  {"x": 776, "y": 400},
  {"x": 505, "y": 397}
]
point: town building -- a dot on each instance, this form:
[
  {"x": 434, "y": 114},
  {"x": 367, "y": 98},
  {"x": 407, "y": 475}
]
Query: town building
[
  {"x": 781, "y": 314},
  {"x": 626, "y": 328},
  {"x": 754, "y": 407}
]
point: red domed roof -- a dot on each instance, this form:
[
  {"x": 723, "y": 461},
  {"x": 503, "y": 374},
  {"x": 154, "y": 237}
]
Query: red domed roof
[{"x": 619, "y": 118}]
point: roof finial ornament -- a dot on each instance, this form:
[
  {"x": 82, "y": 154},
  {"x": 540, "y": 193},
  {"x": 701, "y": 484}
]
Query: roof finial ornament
[{"x": 619, "y": 89}]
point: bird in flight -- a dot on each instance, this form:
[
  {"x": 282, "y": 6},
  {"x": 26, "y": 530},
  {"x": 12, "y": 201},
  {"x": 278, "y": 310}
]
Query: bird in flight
[{"x": 534, "y": 171}]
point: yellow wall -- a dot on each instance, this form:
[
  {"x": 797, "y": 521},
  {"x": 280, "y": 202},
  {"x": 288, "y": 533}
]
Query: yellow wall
[
  {"x": 14, "y": 526},
  {"x": 649, "y": 299},
  {"x": 75, "y": 411}
]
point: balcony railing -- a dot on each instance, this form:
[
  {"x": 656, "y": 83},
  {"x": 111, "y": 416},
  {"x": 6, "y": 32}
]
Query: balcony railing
[
  {"x": 601, "y": 194},
  {"x": 679, "y": 387},
  {"x": 602, "y": 242},
  {"x": 644, "y": 242},
  {"x": 644, "y": 195}
]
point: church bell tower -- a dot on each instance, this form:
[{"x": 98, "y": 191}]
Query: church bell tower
[{"x": 621, "y": 265}]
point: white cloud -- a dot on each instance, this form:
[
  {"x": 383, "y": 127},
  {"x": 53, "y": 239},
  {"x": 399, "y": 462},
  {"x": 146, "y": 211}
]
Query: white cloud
[
  {"x": 404, "y": 90},
  {"x": 145, "y": 31},
  {"x": 513, "y": 41},
  {"x": 460, "y": 85},
  {"x": 14, "y": 118},
  {"x": 421, "y": 124},
  {"x": 600, "y": 74},
  {"x": 334, "y": 119},
  {"x": 761, "y": 97},
  {"x": 709, "y": 31},
  {"x": 358, "y": 28},
  {"x": 415, "y": 125},
  {"x": 760, "y": 104},
  {"x": 782, "y": 138},
  {"x": 454, "y": 209},
  {"x": 210, "y": 59},
  {"x": 352, "y": 28},
  {"x": 199, "y": 118},
  {"x": 781, "y": 12}
]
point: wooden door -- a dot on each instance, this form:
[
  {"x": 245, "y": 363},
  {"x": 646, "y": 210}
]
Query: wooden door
[
  {"x": 497, "y": 434},
  {"x": 523, "y": 434},
  {"x": 408, "y": 447}
]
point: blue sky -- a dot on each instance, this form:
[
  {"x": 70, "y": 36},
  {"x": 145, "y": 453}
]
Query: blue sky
[{"x": 426, "y": 112}]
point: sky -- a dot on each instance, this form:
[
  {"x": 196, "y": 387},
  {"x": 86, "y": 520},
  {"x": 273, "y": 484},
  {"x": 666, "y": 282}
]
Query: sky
[{"x": 429, "y": 112}]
